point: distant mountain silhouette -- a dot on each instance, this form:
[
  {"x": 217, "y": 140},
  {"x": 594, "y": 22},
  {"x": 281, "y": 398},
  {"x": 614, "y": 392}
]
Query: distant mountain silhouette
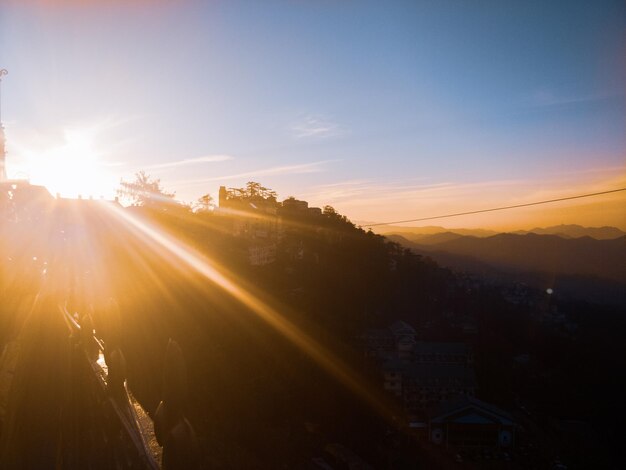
[
  {"x": 586, "y": 268},
  {"x": 449, "y": 260},
  {"x": 429, "y": 230},
  {"x": 576, "y": 231},
  {"x": 586, "y": 262},
  {"x": 551, "y": 253},
  {"x": 418, "y": 234},
  {"x": 428, "y": 239},
  {"x": 532, "y": 252}
]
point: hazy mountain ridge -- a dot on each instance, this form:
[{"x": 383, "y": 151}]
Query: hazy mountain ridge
[
  {"x": 425, "y": 239},
  {"x": 576, "y": 231},
  {"x": 421, "y": 234},
  {"x": 428, "y": 230},
  {"x": 550, "y": 253},
  {"x": 537, "y": 260}
]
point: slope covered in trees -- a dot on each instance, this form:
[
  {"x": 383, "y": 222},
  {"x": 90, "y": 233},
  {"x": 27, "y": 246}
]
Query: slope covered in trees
[{"x": 260, "y": 396}]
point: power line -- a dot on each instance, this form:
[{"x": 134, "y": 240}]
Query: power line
[{"x": 496, "y": 208}]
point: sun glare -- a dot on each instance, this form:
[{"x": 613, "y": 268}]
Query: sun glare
[{"x": 73, "y": 169}]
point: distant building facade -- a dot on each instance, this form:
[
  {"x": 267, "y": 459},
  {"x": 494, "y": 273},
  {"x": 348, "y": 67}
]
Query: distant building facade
[{"x": 420, "y": 373}]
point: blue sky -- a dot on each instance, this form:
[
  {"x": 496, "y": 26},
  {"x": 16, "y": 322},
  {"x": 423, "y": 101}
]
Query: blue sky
[{"x": 387, "y": 110}]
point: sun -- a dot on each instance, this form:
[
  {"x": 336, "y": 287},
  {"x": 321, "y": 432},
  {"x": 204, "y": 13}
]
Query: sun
[{"x": 74, "y": 168}]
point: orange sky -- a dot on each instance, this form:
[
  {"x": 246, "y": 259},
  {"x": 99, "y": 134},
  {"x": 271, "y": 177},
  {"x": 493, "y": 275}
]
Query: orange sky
[{"x": 358, "y": 201}]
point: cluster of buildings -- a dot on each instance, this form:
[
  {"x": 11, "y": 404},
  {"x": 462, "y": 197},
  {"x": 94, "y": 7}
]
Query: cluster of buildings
[
  {"x": 421, "y": 373},
  {"x": 259, "y": 220},
  {"x": 436, "y": 385}
]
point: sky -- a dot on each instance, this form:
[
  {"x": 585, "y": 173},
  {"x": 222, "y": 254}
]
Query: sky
[{"x": 385, "y": 110}]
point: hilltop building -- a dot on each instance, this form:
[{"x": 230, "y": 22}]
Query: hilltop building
[
  {"x": 257, "y": 217},
  {"x": 253, "y": 217},
  {"x": 294, "y": 207}
]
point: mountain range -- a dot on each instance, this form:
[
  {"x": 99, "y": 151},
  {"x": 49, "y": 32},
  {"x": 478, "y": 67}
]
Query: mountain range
[
  {"x": 596, "y": 263},
  {"x": 577, "y": 231},
  {"x": 563, "y": 231}
]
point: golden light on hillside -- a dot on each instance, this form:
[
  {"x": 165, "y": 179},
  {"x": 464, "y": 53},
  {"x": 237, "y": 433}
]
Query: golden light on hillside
[{"x": 174, "y": 253}]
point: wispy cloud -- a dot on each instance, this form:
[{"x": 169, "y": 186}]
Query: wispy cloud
[
  {"x": 313, "y": 167},
  {"x": 191, "y": 161},
  {"x": 315, "y": 127},
  {"x": 547, "y": 98},
  {"x": 374, "y": 196},
  {"x": 404, "y": 199}
]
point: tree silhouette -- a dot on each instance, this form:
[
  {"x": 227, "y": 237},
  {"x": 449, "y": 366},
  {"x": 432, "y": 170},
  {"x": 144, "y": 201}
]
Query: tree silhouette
[
  {"x": 204, "y": 203},
  {"x": 252, "y": 190},
  {"x": 144, "y": 191},
  {"x": 330, "y": 211}
]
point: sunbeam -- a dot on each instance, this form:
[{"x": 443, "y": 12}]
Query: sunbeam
[{"x": 173, "y": 250}]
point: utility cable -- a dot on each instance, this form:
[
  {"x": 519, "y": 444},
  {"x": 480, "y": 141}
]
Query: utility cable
[{"x": 580, "y": 196}]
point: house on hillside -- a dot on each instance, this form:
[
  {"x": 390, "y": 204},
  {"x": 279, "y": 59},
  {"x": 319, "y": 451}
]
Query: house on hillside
[
  {"x": 421, "y": 373},
  {"x": 442, "y": 353},
  {"x": 300, "y": 221},
  {"x": 404, "y": 338},
  {"x": 400, "y": 341},
  {"x": 424, "y": 385},
  {"x": 471, "y": 423},
  {"x": 397, "y": 339}
]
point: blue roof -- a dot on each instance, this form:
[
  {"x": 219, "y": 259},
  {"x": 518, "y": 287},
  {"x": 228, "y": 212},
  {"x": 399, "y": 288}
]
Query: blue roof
[{"x": 454, "y": 412}]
